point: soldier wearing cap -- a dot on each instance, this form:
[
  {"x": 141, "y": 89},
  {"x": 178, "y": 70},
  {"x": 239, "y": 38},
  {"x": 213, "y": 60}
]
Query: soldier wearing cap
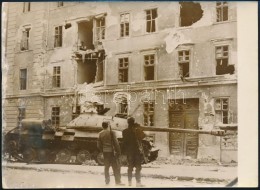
[
  {"x": 108, "y": 144},
  {"x": 131, "y": 148}
]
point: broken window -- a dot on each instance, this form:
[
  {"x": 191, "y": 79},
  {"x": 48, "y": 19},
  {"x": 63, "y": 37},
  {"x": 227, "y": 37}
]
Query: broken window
[
  {"x": 222, "y": 61},
  {"x": 123, "y": 69},
  {"x": 222, "y": 11},
  {"x": 26, "y": 7},
  {"x": 222, "y": 110},
  {"x": 149, "y": 113},
  {"x": 124, "y": 24},
  {"x": 60, "y": 3},
  {"x": 55, "y": 116},
  {"x": 85, "y": 35},
  {"x": 89, "y": 56},
  {"x": 56, "y": 77},
  {"x": 151, "y": 16},
  {"x": 184, "y": 62},
  {"x": 58, "y": 36},
  {"x": 23, "y": 79},
  {"x": 190, "y": 13},
  {"x": 100, "y": 29},
  {"x": 123, "y": 106},
  {"x": 90, "y": 67},
  {"x": 75, "y": 111},
  {"x": 25, "y": 39},
  {"x": 149, "y": 61}
]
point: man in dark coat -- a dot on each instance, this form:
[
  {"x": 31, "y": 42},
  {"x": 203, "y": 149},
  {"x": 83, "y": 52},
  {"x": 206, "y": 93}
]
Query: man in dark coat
[
  {"x": 109, "y": 146},
  {"x": 132, "y": 137}
]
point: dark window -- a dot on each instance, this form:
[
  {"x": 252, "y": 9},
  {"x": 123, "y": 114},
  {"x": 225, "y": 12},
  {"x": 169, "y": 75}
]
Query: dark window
[
  {"x": 184, "y": 62},
  {"x": 222, "y": 11},
  {"x": 23, "y": 79},
  {"x": 56, "y": 77},
  {"x": 149, "y": 61},
  {"x": 25, "y": 39},
  {"x": 123, "y": 70},
  {"x": 26, "y": 7},
  {"x": 151, "y": 16},
  {"x": 222, "y": 61},
  {"x": 75, "y": 112},
  {"x": 21, "y": 114},
  {"x": 58, "y": 36},
  {"x": 55, "y": 116},
  {"x": 149, "y": 113},
  {"x": 222, "y": 110},
  {"x": 100, "y": 28},
  {"x": 60, "y": 3},
  {"x": 124, "y": 24}
]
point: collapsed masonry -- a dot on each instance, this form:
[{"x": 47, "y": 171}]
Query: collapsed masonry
[
  {"x": 90, "y": 54},
  {"x": 190, "y": 13}
]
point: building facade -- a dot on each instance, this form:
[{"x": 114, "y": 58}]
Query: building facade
[{"x": 168, "y": 64}]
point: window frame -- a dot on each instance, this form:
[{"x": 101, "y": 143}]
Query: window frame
[
  {"x": 124, "y": 25},
  {"x": 221, "y": 7},
  {"x": 221, "y": 110},
  {"x": 147, "y": 113},
  {"x": 97, "y": 39},
  {"x": 56, "y": 76},
  {"x": 151, "y": 20},
  {"x": 149, "y": 65},
  {"x": 26, "y": 7},
  {"x": 23, "y": 79},
  {"x": 184, "y": 61},
  {"x": 123, "y": 68},
  {"x": 60, "y": 4},
  {"x": 25, "y": 39},
  {"x": 58, "y": 36},
  {"x": 55, "y": 118}
]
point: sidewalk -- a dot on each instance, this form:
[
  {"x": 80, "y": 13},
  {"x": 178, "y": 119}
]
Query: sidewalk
[{"x": 177, "y": 172}]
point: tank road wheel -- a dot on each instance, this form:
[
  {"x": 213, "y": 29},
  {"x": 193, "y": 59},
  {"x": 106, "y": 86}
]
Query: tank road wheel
[
  {"x": 63, "y": 156},
  {"x": 83, "y": 156},
  {"x": 29, "y": 154},
  {"x": 100, "y": 159}
]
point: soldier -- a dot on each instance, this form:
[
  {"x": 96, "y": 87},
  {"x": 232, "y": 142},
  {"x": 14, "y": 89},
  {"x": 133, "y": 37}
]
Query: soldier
[
  {"x": 109, "y": 146},
  {"x": 132, "y": 137}
]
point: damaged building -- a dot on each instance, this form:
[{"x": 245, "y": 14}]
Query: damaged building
[{"x": 169, "y": 64}]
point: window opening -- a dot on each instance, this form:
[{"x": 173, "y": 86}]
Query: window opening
[
  {"x": 222, "y": 61},
  {"x": 149, "y": 61},
  {"x": 190, "y": 13},
  {"x": 124, "y": 24},
  {"x": 123, "y": 69},
  {"x": 23, "y": 79},
  {"x": 184, "y": 62},
  {"x": 56, "y": 77},
  {"x": 151, "y": 16},
  {"x": 222, "y": 11}
]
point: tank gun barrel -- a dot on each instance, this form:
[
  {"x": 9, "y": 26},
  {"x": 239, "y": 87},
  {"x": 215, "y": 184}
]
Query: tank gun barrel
[
  {"x": 159, "y": 129},
  {"x": 178, "y": 130}
]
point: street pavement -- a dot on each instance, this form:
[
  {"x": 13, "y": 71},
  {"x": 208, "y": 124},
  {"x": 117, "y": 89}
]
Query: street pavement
[{"x": 198, "y": 173}]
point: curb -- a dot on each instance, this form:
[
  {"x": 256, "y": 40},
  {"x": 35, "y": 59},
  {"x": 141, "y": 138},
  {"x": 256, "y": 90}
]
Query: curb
[{"x": 157, "y": 176}]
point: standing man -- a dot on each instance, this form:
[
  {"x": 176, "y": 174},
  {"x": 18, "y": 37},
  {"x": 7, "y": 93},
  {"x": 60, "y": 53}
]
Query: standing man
[
  {"x": 132, "y": 137},
  {"x": 109, "y": 146}
]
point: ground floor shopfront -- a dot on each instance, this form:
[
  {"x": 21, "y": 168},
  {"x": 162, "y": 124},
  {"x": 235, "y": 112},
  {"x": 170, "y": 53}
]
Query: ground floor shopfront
[{"x": 188, "y": 108}]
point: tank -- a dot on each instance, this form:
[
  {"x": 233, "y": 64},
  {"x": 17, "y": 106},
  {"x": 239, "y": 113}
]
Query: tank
[{"x": 35, "y": 140}]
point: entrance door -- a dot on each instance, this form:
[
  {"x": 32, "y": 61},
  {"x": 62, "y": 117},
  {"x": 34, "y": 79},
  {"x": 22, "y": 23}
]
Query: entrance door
[{"x": 184, "y": 116}]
